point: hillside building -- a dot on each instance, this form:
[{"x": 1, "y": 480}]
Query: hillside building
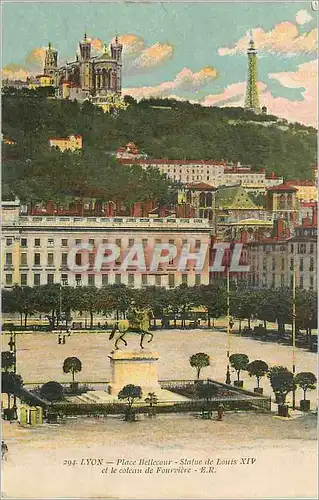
[{"x": 71, "y": 143}]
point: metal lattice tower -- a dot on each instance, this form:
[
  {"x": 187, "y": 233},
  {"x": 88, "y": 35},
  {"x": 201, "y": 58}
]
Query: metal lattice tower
[{"x": 252, "y": 94}]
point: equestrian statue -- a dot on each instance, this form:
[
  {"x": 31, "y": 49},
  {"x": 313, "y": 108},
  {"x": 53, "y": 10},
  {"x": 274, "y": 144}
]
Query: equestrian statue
[{"x": 138, "y": 322}]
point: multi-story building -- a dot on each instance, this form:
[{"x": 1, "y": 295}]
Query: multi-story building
[
  {"x": 36, "y": 249},
  {"x": 72, "y": 143},
  {"x": 207, "y": 171},
  {"x": 306, "y": 190},
  {"x": 273, "y": 260}
]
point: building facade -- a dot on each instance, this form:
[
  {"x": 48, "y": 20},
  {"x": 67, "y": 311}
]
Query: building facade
[
  {"x": 273, "y": 260},
  {"x": 36, "y": 249},
  {"x": 71, "y": 143},
  {"x": 207, "y": 171}
]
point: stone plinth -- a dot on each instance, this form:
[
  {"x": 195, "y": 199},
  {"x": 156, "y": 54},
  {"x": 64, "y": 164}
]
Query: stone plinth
[{"x": 134, "y": 367}]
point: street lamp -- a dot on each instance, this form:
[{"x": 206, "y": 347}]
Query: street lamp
[
  {"x": 13, "y": 349},
  {"x": 229, "y": 327},
  {"x": 294, "y": 333}
]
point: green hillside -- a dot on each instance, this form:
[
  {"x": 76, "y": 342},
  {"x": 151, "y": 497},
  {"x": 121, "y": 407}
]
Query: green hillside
[{"x": 161, "y": 128}]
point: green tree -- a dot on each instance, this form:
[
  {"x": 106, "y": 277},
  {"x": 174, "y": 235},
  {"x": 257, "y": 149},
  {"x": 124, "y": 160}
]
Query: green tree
[
  {"x": 73, "y": 365},
  {"x": 11, "y": 384},
  {"x": 206, "y": 392},
  {"x": 281, "y": 381},
  {"x": 130, "y": 393},
  {"x": 7, "y": 360},
  {"x": 199, "y": 361},
  {"x": 213, "y": 298},
  {"x": 239, "y": 362},
  {"x": 52, "y": 391},
  {"x": 258, "y": 369},
  {"x": 306, "y": 381}
]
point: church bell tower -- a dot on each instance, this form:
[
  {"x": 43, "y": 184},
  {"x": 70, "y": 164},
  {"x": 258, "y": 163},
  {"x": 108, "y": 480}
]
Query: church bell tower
[
  {"x": 85, "y": 64},
  {"x": 51, "y": 61}
]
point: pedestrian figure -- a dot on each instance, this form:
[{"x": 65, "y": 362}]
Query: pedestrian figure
[
  {"x": 220, "y": 412},
  {"x": 4, "y": 450},
  {"x": 59, "y": 339},
  {"x": 63, "y": 339}
]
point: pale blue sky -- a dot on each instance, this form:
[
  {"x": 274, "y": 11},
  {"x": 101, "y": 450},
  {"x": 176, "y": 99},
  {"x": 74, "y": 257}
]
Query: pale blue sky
[{"x": 197, "y": 31}]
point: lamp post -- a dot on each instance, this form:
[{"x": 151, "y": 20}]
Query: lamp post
[
  {"x": 13, "y": 349},
  {"x": 228, "y": 380},
  {"x": 294, "y": 333}
]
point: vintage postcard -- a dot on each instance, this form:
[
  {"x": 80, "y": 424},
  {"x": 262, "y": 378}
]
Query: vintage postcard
[{"x": 159, "y": 250}]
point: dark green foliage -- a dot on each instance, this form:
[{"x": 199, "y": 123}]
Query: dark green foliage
[
  {"x": 306, "y": 381},
  {"x": 199, "y": 361},
  {"x": 239, "y": 362},
  {"x": 258, "y": 369},
  {"x": 180, "y": 131},
  {"x": 282, "y": 381},
  {"x": 7, "y": 360},
  {"x": 53, "y": 391},
  {"x": 72, "y": 365}
]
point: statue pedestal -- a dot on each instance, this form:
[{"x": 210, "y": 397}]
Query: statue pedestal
[{"x": 134, "y": 367}]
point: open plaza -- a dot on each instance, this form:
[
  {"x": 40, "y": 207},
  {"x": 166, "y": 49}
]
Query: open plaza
[{"x": 72, "y": 456}]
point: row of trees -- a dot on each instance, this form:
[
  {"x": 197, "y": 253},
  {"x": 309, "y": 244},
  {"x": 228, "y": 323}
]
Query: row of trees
[{"x": 267, "y": 305}]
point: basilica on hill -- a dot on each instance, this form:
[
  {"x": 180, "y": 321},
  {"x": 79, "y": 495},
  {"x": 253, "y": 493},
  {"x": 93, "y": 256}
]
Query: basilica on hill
[{"x": 97, "y": 78}]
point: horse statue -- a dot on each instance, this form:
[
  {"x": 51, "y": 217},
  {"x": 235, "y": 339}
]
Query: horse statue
[{"x": 138, "y": 322}]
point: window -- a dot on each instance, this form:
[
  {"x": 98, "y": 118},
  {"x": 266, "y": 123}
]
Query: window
[
  {"x": 105, "y": 279},
  {"x": 282, "y": 280},
  {"x": 273, "y": 264},
  {"x": 37, "y": 242},
  {"x": 91, "y": 259},
  {"x": 282, "y": 264},
  {"x": 118, "y": 242},
  {"x": 9, "y": 242},
  {"x": 264, "y": 264},
  {"x": 158, "y": 280},
  {"x": 64, "y": 279},
  {"x": 301, "y": 282},
  {"x": 8, "y": 279},
  {"x": 301, "y": 265},
  {"x": 171, "y": 242},
  {"x": 50, "y": 279},
  {"x": 64, "y": 242},
  {"x": 131, "y": 280},
  {"x": 291, "y": 248},
  {"x": 105, "y": 241},
  {"x": 171, "y": 280},
  {"x": 131, "y": 242},
  {"x": 91, "y": 279},
  {"x": 78, "y": 259},
  {"x": 273, "y": 248},
  {"x": 118, "y": 279},
  {"x": 50, "y": 242},
  {"x": 291, "y": 264},
  {"x": 8, "y": 259},
  {"x": 311, "y": 264},
  {"x": 302, "y": 248},
  {"x": 273, "y": 281},
  {"x": 311, "y": 248},
  {"x": 311, "y": 282},
  {"x": 23, "y": 242},
  {"x": 197, "y": 279},
  {"x": 24, "y": 279},
  {"x": 37, "y": 259},
  {"x": 184, "y": 242},
  {"x": 65, "y": 259},
  {"x": 23, "y": 259},
  {"x": 78, "y": 241},
  {"x": 144, "y": 242},
  {"x": 197, "y": 243},
  {"x": 91, "y": 241},
  {"x": 184, "y": 279},
  {"x": 158, "y": 241},
  {"x": 50, "y": 259},
  {"x": 144, "y": 279},
  {"x": 36, "y": 279}
]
